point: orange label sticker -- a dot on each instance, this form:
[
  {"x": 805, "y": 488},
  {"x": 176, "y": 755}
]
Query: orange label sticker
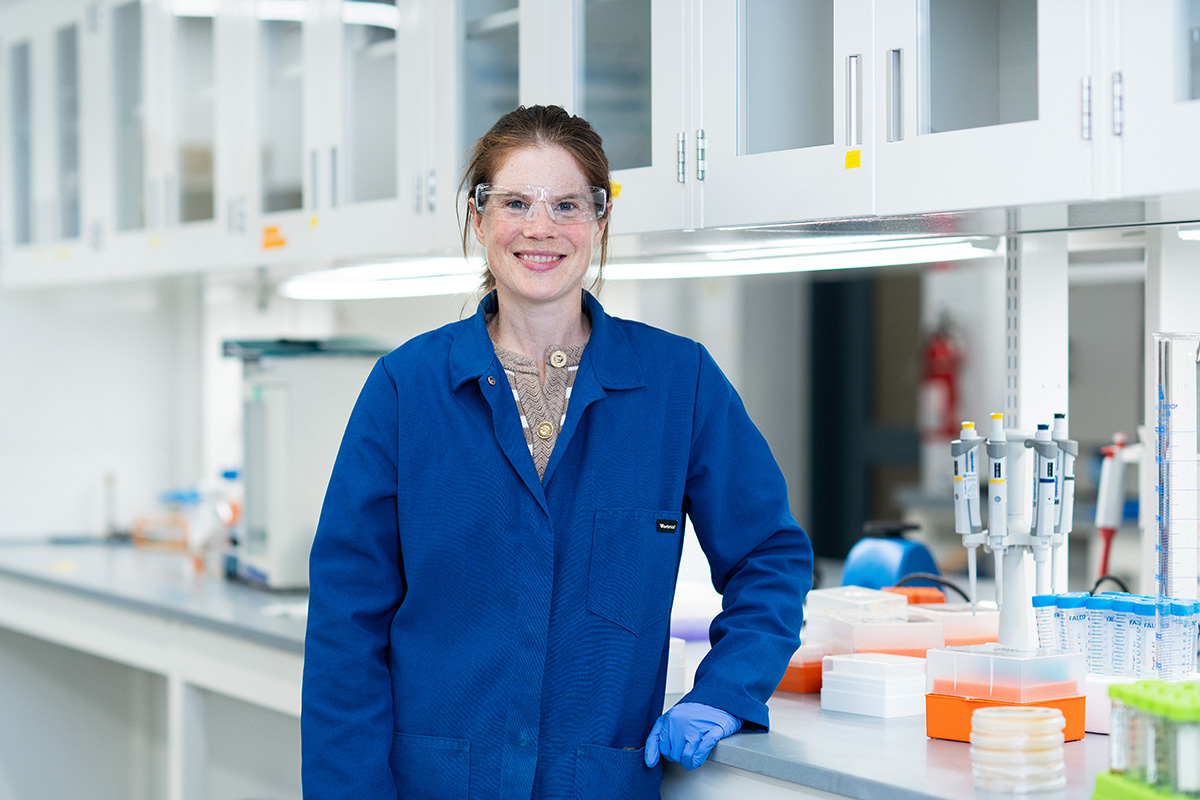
[
  {"x": 271, "y": 237},
  {"x": 853, "y": 159}
]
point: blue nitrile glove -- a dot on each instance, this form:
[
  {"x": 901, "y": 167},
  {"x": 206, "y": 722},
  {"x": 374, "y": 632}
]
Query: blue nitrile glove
[{"x": 687, "y": 733}]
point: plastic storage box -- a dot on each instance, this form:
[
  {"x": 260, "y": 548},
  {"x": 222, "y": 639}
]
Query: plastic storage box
[
  {"x": 873, "y": 684},
  {"x": 884, "y": 632},
  {"x": 821, "y": 604},
  {"x": 804, "y": 669},
  {"x": 962, "y": 626}
]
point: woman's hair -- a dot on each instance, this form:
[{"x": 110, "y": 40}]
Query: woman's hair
[{"x": 535, "y": 126}]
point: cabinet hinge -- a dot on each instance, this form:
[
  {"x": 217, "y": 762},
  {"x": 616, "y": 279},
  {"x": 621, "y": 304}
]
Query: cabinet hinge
[
  {"x": 700, "y": 163},
  {"x": 681, "y": 157},
  {"x": 431, "y": 191},
  {"x": 1086, "y": 108},
  {"x": 1118, "y": 104}
]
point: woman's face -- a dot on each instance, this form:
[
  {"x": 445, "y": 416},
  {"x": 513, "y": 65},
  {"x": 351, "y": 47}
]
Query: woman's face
[{"x": 537, "y": 261}]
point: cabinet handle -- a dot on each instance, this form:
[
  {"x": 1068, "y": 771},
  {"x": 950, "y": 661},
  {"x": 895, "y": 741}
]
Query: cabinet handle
[
  {"x": 895, "y": 116},
  {"x": 1085, "y": 99},
  {"x": 431, "y": 190},
  {"x": 681, "y": 157},
  {"x": 1118, "y": 104},
  {"x": 333, "y": 177},
  {"x": 853, "y": 132},
  {"x": 312, "y": 170}
]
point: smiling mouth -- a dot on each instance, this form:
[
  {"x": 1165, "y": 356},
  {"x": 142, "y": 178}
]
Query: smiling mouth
[{"x": 541, "y": 259}]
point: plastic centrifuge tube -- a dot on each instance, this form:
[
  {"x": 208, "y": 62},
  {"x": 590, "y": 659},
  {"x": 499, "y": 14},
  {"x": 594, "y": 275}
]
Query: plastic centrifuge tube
[
  {"x": 1145, "y": 611},
  {"x": 1075, "y": 621},
  {"x": 1121, "y": 644},
  {"x": 1119, "y": 721},
  {"x": 1044, "y": 611},
  {"x": 1099, "y": 649}
]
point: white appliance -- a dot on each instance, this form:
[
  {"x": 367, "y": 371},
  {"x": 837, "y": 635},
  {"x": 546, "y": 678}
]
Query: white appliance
[{"x": 298, "y": 395}]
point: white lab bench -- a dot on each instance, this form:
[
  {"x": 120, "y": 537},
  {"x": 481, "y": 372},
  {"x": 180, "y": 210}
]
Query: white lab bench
[{"x": 122, "y": 678}]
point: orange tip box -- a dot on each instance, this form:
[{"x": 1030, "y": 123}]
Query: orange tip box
[
  {"x": 804, "y": 670},
  {"x": 917, "y": 594},
  {"x": 821, "y": 604},
  {"x": 949, "y": 717}
]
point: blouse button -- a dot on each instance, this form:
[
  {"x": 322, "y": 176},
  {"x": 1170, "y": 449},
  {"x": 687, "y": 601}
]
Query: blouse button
[
  {"x": 558, "y": 358},
  {"x": 545, "y": 430},
  {"x": 491, "y": 381}
]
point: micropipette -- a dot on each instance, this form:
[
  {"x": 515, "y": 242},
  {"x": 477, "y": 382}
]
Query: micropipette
[
  {"x": 997, "y": 450},
  {"x": 1044, "y": 451},
  {"x": 1068, "y": 450}
]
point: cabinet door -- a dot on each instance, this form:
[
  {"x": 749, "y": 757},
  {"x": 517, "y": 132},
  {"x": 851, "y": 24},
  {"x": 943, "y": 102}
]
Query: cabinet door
[
  {"x": 627, "y": 76},
  {"x": 46, "y": 57},
  {"x": 376, "y": 96},
  {"x": 787, "y": 131},
  {"x": 1160, "y": 69},
  {"x": 981, "y": 103}
]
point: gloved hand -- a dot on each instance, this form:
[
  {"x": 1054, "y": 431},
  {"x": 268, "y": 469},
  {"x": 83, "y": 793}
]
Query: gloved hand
[{"x": 687, "y": 733}]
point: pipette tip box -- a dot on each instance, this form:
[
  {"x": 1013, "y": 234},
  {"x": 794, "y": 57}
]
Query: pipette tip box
[
  {"x": 884, "y": 631},
  {"x": 961, "y": 679},
  {"x": 803, "y": 674},
  {"x": 821, "y": 604},
  {"x": 873, "y": 684},
  {"x": 962, "y": 625}
]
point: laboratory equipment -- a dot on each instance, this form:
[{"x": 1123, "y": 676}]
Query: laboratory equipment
[
  {"x": 297, "y": 398},
  {"x": 1110, "y": 493},
  {"x": 873, "y": 684},
  {"x": 1072, "y": 618},
  {"x": 1176, "y": 454},
  {"x": 1099, "y": 634},
  {"x": 1009, "y": 537},
  {"x": 1045, "y": 613},
  {"x": 1018, "y": 750},
  {"x": 1155, "y": 739},
  {"x": 883, "y": 557}
]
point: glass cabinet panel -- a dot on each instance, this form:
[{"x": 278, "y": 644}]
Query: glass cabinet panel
[
  {"x": 130, "y": 168},
  {"x": 21, "y": 110},
  {"x": 491, "y": 71},
  {"x": 616, "y": 79},
  {"x": 785, "y": 81},
  {"x": 281, "y": 111},
  {"x": 194, "y": 97},
  {"x": 369, "y": 99},
  {"x": 980, "y": 64},
  {"x": 1190, "y": 50},
  {"x": 66, "y": 60}
]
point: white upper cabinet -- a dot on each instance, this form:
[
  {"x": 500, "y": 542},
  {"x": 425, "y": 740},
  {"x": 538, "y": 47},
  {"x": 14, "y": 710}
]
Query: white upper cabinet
[
  {"x": 787, "y": 123},
  {"x": 981, "y": 103},
  {"x": 46, "y": 203},
  {"x": 1160, "y": 76}
]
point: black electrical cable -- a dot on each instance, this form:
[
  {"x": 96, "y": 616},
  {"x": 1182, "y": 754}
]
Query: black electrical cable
[
  {"x": 1112, "y": 578},
  {"x": 929, "y": 576}
]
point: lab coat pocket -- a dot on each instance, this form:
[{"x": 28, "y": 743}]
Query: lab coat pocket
[
  {"x": 430, "y": 767},
  {"x": 602, "y": 773},
  {"x": 635, "y": 554}
]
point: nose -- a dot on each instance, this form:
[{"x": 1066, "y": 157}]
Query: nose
[{"x": 540, "y": 221}]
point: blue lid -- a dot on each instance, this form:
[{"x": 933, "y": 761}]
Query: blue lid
[
  {"x": 1070, "y": 600},
  {"x": 1042, "y": 427},
  {"x": 1123, "y": 604},
  {"x": 1145, "y": 608},
  {"x": 1043, "y": 600},
  {"x": 1098, "y": 601},
  {"x": 1181, "y": 608},
  {"x": 231, "y": 474},
  {"x": 187, "y": 497}
]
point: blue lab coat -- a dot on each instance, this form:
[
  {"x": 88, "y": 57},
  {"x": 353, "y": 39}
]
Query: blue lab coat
[{"x": 474, "y": 632}]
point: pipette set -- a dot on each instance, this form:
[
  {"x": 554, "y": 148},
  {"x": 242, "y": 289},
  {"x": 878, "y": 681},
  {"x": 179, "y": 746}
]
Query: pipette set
[{"x": 1009, "y": 537}]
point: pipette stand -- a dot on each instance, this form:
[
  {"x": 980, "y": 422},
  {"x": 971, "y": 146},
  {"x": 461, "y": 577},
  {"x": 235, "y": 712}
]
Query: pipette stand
[{"x": 1013, "y": 540}]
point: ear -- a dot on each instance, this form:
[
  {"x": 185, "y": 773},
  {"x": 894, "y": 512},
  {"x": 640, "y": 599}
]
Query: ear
[
  {"x": 476, "y": 221},
  {"x": 602, "y": 224}
]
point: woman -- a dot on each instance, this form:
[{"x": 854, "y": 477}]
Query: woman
[{"x": 493, "y": 572}]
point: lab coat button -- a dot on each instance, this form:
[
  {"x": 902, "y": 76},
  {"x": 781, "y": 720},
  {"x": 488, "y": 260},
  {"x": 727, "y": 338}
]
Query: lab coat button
[
  {"x": 544, "y": 430},
  {"x": 491, "y": 381},
  {"x": 558, "y": 358}
]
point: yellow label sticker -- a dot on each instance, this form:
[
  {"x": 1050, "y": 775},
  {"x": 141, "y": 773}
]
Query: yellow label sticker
[
  {"x": 312, "y": 221},
  {"x": 853, "y": 159},
  {"x": 616, "y": 190},
  {"x": 271, "y": 237}
]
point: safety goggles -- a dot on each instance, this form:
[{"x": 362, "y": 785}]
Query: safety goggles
[{"x": 567, "y": 205}]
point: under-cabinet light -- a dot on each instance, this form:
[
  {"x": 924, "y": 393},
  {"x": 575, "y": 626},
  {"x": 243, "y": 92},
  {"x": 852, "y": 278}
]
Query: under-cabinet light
[
  {"x": 378, "y": 15},
  {"x": 1190, "y": 232},
  {"x": 281, "y": 10},
  {"x": 413, "y": 278}
]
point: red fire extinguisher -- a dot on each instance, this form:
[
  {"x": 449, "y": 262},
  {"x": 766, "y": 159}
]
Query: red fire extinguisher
[{"x": 941, "y": 361}]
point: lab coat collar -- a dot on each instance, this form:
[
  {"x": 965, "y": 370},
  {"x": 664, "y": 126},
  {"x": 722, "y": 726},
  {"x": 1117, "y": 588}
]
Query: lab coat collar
[{"x": 614, "y": 361}]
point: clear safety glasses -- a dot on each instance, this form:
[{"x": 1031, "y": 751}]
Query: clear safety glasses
[{"x": 568, "y": 205}]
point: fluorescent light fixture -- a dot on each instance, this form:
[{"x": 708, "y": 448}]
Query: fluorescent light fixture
[
  {"x": 281, "y": 10},
  {"x": 1190, "y": 231},
  {"x": 412, "y": 278},
  {"x": 811, "y": 260},
  {"x": 378, "y": 15}
]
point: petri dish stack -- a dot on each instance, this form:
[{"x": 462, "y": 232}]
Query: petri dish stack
[{"x": 1018, "y": 749}]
